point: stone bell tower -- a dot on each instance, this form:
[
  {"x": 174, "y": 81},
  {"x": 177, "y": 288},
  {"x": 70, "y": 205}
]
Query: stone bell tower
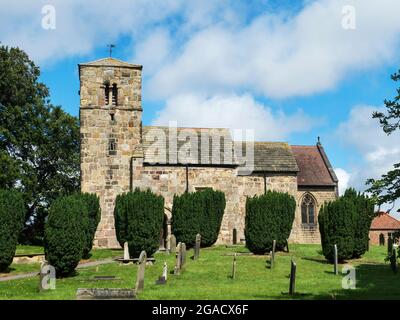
[{"x": 110, "y": 132}]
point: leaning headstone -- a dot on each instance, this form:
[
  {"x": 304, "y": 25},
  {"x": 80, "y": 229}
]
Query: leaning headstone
[
  {"x": 163, "y": 278},
  {"x": 335, "y": 260},
  {"x": 140, "y": 274},
  {"x": 126, "y": 251},
  {"x": 172, "y": 243},
  {"x": 197, "y": 247},
  {"x": 234, "y": 267},
  {"x": 183, "y": 254},
  {"x": 177, "y": 268},
  {"x": 292, "y": 285}
]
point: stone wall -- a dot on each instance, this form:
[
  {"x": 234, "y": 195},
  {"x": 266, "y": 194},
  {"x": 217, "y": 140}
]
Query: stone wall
[{"x": 309, "y": 233}]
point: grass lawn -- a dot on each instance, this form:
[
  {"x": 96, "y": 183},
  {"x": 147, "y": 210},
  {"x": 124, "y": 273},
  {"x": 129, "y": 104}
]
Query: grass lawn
[
  {"x": 209, "y": 277},
  {"x": 18, "y": 268}
]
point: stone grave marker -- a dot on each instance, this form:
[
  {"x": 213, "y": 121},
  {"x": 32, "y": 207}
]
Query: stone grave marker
[
  {"x": 234, "y": 267},
  {"x": 183, "y": 255},
  {"x": 234, "y": 235},
  {"x": 335, "y": 260},
  {"x": 105, "y": 294},
  {"x": 273, "y": 254},
  {"x": 172, "y": 243},
  {"x": 177, "y": 268},
  {"x": 126, "y": 251},
  {"x": 163, "y": 278},
  {"x": 197, "y": 247},
  {"x": 292, "y": 285},
  {"x": 140, "y": 274}
]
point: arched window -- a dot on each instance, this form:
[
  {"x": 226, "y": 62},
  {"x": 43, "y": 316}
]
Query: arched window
[
  {"x": 308, "y": 210},
  {"x": 381, "y": 239}
]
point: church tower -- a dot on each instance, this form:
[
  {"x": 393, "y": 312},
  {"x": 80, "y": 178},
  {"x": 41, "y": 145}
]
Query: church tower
[{"x": 110, "y": 133}]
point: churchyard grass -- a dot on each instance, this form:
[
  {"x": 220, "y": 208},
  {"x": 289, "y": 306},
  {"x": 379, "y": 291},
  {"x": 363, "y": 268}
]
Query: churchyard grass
[{"x": 209, "y": 277}]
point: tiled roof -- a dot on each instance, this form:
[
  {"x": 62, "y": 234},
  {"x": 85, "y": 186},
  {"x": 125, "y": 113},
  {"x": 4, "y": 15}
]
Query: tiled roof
[
  {"x": 111, "y": 62},
  {"x": 314, "y": 171},
  {"x": 385, "y": 222}
]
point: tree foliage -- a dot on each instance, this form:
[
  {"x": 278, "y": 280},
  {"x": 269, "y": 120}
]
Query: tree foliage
[
  {"x": 139, "y": 219},
  {"x": 66, "y": 233},
  {"x": 39, "y": 142},
  {"x": 198, "y": 212},
  {"x": 269, "y": 217},
  {"x": 12, "y": 214},
  {"x": 346, "y": 223},
  {"x": 387, "y": 189}
]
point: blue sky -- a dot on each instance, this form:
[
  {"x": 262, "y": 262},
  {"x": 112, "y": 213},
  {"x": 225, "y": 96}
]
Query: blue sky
[{"x": 290, "y": 70}]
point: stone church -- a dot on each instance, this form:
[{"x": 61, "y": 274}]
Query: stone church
[{"x": 118, "y": 154}]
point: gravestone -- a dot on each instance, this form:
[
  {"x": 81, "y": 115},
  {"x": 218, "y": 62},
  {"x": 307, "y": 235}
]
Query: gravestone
[
  {"x": 273, "y": 253},
  {"x": 105, "y": 294},
  {"x": 177, "y": 268},
  {"x": 126, "y": 251},
  {"x": 140, "y": 274},
  {"x": 172, "y": 243},
  {"x": 234, "y": 267},
  {"x": 197, "y": 247},
  {"x": 335, "y": 260},
  {"x": 234, "y": 240},
  {"x": 183, "y": 254},
  {"x": 163, "y": 278},
  {"x": 47, "y": 277},
  {"x": 292, "y": 285}
]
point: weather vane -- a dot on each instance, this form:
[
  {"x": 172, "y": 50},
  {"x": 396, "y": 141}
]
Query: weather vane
[{"x": 111, "y": 46}]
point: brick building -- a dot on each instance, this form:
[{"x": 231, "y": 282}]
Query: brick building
[
  {"x": 119, "y": 154},
  {"x": 382, "y": 227}
]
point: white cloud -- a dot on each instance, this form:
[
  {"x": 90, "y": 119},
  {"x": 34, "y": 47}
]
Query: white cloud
[
  {"x": 233, "y": 112},
  {"x": 344, "y": 178},
  {"x": 377, "y": 151},
  {"x": 280, "y": 56}
]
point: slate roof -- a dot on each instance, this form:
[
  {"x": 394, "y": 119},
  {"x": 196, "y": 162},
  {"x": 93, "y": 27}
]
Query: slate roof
[
  {"x": 112, "y": 62},
  {"x": 385, "y": 222},
  {"x": 268, "y": 156},
  {"x": 158, "y": 150},
  {"x": 315, "y": 169}
]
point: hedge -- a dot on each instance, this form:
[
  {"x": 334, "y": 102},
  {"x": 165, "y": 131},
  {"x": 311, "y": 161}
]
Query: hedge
[
  {"x": 139, "y": 218},
  {"x": 66, "y": 234},
  {"x": 269, "y": 217},
  {"x": 198, "y": 212},
  {"x": 346, "y": 223},
  {"x": 12, "y": 217}
]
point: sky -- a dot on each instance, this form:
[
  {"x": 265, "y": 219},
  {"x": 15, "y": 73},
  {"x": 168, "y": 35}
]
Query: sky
[{"x": 290, "y": 70}]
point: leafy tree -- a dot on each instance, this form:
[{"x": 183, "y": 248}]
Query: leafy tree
[
  {"x": 66, "y": 234},
  {"x": 138, "y": 218},
  {"x": 12, "y": 213},
  {"x": 346, "y": 223},
  {"x": 387, "y": 189},
  {"x": 269, "y": 217},
  {"x": 198, "y": 212},
  {"x": 39, "y": 142}
]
